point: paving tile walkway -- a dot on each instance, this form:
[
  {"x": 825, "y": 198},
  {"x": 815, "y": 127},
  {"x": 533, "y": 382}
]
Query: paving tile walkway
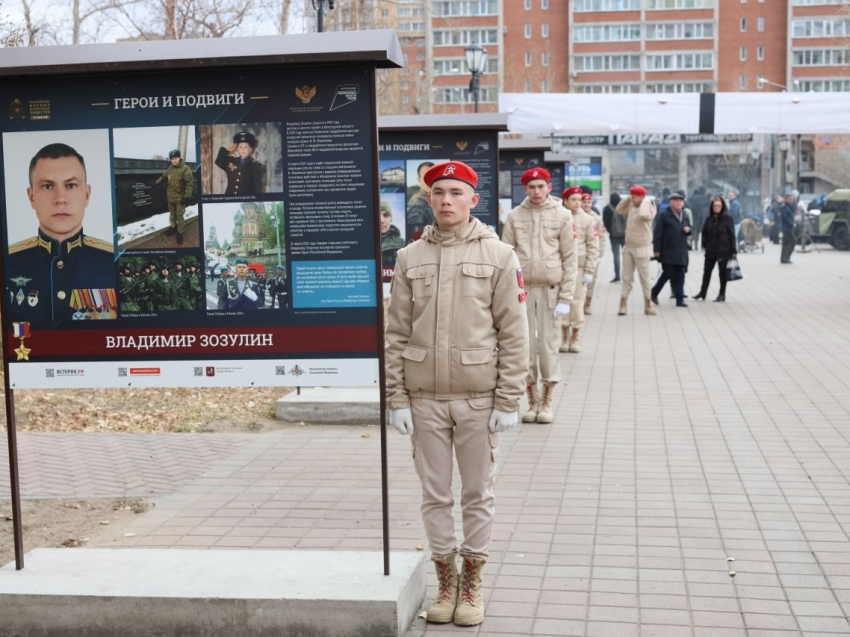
[{"x": 681, "y": 440}]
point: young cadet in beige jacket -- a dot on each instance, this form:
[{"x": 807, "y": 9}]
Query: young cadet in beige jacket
[
  {"x": 587, "y": 244},
  {"x": 587, "y": 206},
  {"x": 639, "y": 212},
  {"x": 456, "y": 360},
  {"x": 541, "y": 230}
]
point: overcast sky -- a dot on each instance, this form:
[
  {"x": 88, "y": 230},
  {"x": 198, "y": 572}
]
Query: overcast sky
[{"x": 148, "y": 142}]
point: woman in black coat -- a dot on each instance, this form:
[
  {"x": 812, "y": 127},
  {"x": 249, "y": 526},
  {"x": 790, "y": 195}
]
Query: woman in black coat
[{"x": 718, "y": 241}]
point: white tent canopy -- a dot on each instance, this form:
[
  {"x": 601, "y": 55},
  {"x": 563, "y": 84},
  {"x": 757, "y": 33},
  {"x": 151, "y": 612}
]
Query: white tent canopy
[{"x": 585, "y": 114}]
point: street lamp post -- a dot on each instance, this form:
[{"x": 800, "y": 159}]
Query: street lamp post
[
  {"x": 476, "y": 60},
  {"x": 784, "y": 146},
  {"x": 319, "y": 6}
]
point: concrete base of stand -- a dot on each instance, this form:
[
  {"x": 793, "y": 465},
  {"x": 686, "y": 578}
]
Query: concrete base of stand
[
  {"x": 148, "y": 592},
  {"x": 331, "y": 406}
]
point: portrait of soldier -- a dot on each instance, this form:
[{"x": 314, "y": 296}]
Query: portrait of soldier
[
  {"x": 179, "y": 193},
  {"x": 391, "y": 239},
  {"x": 243, "y": 292},
  {"x": 60, "y": 271},
  {"x": 244, "y": 174}
]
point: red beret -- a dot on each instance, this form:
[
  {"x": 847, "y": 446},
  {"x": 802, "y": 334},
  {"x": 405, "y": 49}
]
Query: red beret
[
  {"x": 535, "y": 173},
  {"x": 451, "y": 170},
  {"x": 572, "y": 190},
  {"x": 587, "y": 197},
  {"x": 640, "y": 191}
]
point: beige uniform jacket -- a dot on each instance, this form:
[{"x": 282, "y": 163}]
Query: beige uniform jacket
[
  {"x": 638, "y": 224},
  {"x": 544, "y": 239},
  {"x": 603, "y": 234},
  {"x": 457, "y": 323},
  {"x": 587, "y": 241}
]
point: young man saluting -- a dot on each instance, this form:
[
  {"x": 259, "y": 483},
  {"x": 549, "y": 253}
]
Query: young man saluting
[{"x": 456, "y": 362}]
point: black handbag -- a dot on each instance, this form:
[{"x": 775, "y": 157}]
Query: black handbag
[{"x": 733, "y": 270}]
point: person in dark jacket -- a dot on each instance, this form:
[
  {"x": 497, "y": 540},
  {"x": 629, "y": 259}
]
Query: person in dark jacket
[
  {"x": 786, "y": 217},
  {"x": 718, "y": 241},
  {"x": 616, "y": 226},
  {"x": 670, "y": 246},
  {"x": 698, "y": 202}
]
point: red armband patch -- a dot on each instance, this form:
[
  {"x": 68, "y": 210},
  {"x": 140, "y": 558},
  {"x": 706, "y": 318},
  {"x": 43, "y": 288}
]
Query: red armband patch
[
  {"x": 519, "y": 279},
  {"x": 522, "y": 296}
]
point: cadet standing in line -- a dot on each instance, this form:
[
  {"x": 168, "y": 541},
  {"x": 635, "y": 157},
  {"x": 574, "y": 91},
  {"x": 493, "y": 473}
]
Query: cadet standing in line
[
  {"x": 457, "y": 357},
  {"x": 587, "y": 246},
  {"x": 541, "y": 231},
  {"x": 587, "y": 206},
  {"x": 165, "y": 294},
  {"x": 245, "y": 175},
  {"x": 181, "y": 187},
  {"x": 45, "y": 272},
  {"x": 639, "y": 212}
]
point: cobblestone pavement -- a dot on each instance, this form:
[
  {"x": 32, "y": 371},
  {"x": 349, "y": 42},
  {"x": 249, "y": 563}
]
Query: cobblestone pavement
[{"x": 681, "y": 440}]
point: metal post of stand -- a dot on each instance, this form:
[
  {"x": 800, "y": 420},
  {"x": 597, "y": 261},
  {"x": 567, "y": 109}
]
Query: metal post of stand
[{"x": 13, "y": 471}]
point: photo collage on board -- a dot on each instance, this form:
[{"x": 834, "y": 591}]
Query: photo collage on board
[{"x": 175, "y": 219}]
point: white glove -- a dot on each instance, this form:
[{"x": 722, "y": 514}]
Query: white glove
[
  {"x": 562, "y": 309},
  {"x": 402, "y": 420},
  {"x": 587, "y": 278},
  {"x": 251, "y": 294},
  {"x": 502, "y": 420}
]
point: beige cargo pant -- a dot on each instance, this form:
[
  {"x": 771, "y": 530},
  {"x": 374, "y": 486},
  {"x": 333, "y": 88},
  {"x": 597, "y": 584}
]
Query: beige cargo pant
[
  {"x": 542, "y": 335},
  {"x": 631, "y": 262},
  {"x": 439, "y": 426},
  {"x": 577, "y": 306}
]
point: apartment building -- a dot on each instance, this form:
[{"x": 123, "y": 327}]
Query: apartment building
[{"x": 613, "y": 46}]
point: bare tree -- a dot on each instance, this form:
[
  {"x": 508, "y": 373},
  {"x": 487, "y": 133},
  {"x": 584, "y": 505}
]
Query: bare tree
[
  {"x": 181, "y": 19},
  {"x": 10, "y": 34}
]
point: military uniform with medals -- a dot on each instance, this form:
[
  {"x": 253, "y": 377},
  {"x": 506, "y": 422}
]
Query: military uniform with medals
[
  {"x": 241, "y": 300},
  {"x": 48, "y": 280},
  {"x": 244, "y": 174}
]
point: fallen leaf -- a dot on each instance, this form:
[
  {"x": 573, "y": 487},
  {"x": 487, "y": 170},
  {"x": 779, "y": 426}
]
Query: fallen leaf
[
  {"x": 104, "y": 522},
  {"x": 366, "y": 435}
]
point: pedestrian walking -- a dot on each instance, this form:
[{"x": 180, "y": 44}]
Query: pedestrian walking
[
  {"x": 670, "y": 246},
  {"x": 616, "y": 226},
  {"x": 786, "y": 218},
  {"x": 718, "y": 241},
  {"x": 457, "y": 359},
  {"x": 541, "y": 231}
]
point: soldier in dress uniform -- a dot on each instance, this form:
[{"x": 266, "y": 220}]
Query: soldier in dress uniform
[
  {"x": 181, "y": 188},
  {"x": 245, "y": 175},
  {"x": 278, "y": 287},
  {"x": 59, "y": 271},
  {"x": 243, "y": 293},
  {"x": 587, "y": 244}
]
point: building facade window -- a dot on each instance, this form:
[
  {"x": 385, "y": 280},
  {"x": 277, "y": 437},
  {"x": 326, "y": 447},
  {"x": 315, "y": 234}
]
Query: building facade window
[
  {"x": 760, "y": 24},
  {"x": 454, "y": 37},
  {"x": 742, "y": 82},
  {"x": 606, "y": 5},
  {"x": 743, "y": 55},
  {"x": 679, "y": 31},
  {"x": 801, "y": 3},
  {"x": 457, "y": 66},
  {"x": 680, "y": 4},
  {"x": 544, "y": 4},
  {"x": 544, "y": 30},
  {"x": 683, "y": 87},
  {"x": 528, "y": 58},
  {"x": 527, "y": 30},
  {"x": 461, "y": 95},
  {"x": 820, "y": 57},
  {"x": 825, "y": 85},
  {"x": 607, "y": 62},
  {"x": 759, "y": 83},
  {"x": 544, "y": 86},
  {"x": 743, "y": 25},
  {"x": 820, "y": 28},
  {"x": 468, "y": 7},
  {"x": 760, "y": 53},
  {"x": 606, "y": 33},
  {"x": 527, "y": 5},
  {"x": 679, "y": 61},
  {"x": 544, "y": 58},
  {"x": 607, "y": 88}
]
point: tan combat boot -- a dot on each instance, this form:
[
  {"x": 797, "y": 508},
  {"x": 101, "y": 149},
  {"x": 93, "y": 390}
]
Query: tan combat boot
[
  {"x": 587, "y": 301},
  {"x": 648, "y": 309},
  {"x": 470, "y": 602},
  {"x": 565, "y": 338},
  {"x": 575, "y": 341},
  {"x": 442, "y": 611},
  {"x": 545, "y": 416},
  {"x": 533, "y": 404},
  {"x": 622, "y": 311}
]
